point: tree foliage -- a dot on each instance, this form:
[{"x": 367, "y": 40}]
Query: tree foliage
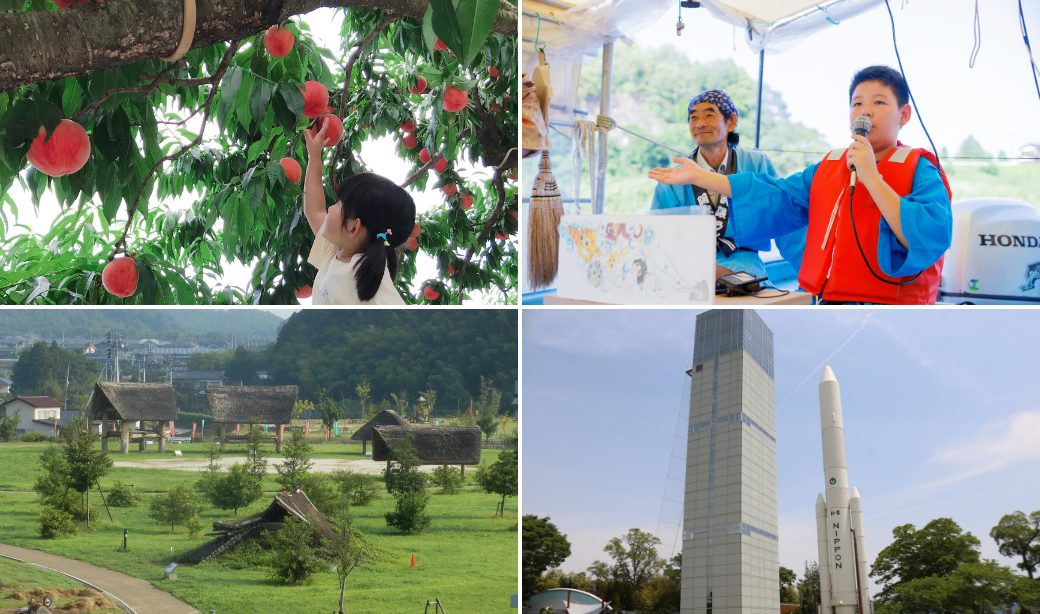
[
  {"x": 179, "y": 505},
  {"x": 544, "y": 547},
  {"x": 42, "y": 369},
  {"x": 235, "y": 489},
  {"x": 293, "y": 472},
  {"x": 295, "y": 558},
  {"x": 633, "y": 562},
  {"x": 501, "y": 478},
  {"x": 1018, "y": 535},
  {"x": 347, "y": 551},
  {"x": 408, "y": 486},
  {"x": 210, "y": 129},
  {"x": 395, "y": 351}
]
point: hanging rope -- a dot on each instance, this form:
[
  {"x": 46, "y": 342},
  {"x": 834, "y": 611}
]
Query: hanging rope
[{"x": 187, "y": 32}]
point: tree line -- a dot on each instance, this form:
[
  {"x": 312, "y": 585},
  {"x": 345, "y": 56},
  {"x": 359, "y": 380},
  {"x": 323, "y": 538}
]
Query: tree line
[{"x": 937, "y": 569}]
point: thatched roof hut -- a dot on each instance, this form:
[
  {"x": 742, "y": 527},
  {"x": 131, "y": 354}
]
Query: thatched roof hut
[
  {"x": 132, "y": 402},
  {"x": 228, "y": 534},
  {"x": 444, "y": 445},
  {"x": 387, "y": 417},
  {"x": 244, "y": 404}
]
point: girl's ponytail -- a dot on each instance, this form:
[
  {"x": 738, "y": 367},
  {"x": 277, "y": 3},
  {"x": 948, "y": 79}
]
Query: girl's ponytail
[{"x": 388, "y": 215}]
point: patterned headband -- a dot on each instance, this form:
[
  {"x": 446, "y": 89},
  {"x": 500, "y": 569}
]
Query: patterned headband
[{"x": 718, "y": 98}]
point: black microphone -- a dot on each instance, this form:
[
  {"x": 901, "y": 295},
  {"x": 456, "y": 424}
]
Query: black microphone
[{"x": 860, "y": 126}]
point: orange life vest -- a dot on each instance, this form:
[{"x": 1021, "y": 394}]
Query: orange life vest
[{"x": 832, "y": 265}]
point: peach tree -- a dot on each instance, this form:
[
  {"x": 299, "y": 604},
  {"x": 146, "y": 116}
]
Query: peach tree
[{"x": 166, "y": 169}]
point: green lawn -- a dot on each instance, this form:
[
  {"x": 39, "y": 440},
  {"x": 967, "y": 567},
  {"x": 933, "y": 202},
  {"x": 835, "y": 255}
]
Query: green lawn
[
  {"x": 17, "y": 580},
  {"x": 467, "y": 558}
]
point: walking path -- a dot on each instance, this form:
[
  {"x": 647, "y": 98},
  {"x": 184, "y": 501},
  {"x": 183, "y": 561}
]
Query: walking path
[{"x": 137, "y": 594}]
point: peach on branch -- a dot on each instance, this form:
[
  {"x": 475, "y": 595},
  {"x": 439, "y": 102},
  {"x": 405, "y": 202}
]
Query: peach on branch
[
  {"x": 292, "y": 169},
  {"x": 455, "y": 99},
  {"x": 120, "y": 277},
  {"x": 315, "y": 99},
  {"x": 64, "y": 151},
  {"x": 278, "y": 41},
  {"x": 334, "y": 132}
]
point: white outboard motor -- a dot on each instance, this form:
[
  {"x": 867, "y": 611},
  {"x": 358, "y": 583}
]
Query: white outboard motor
[{"x": 995, "y": 254}]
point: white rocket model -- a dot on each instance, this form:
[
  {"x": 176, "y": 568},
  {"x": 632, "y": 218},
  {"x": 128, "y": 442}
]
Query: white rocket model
[{"x": 839, "y": 517}]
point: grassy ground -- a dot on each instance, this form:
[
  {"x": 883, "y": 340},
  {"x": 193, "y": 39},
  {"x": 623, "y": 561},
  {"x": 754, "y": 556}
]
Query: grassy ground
[
  {"x": 18, "y": 581},
  {"x": 467, "y": 558}
]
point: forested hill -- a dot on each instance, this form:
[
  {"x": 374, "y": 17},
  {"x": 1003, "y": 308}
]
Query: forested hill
[
  {"x": 166, "y": 324},
  {"x": 399, "y": 351}
]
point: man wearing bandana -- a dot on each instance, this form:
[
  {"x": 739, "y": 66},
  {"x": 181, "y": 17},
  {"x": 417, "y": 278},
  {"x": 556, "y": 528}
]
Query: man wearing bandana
[{"x": 713, "y": 118}]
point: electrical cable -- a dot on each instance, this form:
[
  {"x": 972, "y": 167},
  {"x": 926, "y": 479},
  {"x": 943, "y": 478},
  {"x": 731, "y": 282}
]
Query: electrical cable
[
  {"x": 977, "y": 31},
  {"x": 899, "y": 59},
  {"x": 1029, "y": 48},
  {"x": 855, "y": 234}
]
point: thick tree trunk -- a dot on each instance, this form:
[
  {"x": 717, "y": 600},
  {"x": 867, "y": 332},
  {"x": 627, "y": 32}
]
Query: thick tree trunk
[{"x": 42, "y": 45}]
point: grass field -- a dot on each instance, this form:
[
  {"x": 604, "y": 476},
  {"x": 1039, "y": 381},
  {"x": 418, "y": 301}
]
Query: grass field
[
  {"x": 467, "y": 558},
  {"x": 19, "y": 580}
]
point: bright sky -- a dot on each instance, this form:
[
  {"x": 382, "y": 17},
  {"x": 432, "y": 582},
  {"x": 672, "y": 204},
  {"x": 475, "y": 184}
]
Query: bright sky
[
  {"x": 379, "y": 154},
  {"x": 940, "y": 420},
  {"x": 995, "y": 101}
]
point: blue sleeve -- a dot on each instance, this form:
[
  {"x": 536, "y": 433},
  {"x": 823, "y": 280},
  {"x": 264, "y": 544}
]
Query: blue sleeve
[
  {"x": 764, "y": 207},
  {"x": 927, "y": 222},
  {"x": 667, "y": 197}
]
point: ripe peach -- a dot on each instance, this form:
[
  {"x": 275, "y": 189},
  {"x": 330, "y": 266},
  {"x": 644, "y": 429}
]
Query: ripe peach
[
  {"x": 493, "y": 72},
  {"x": 430, "y": 293},
  {"x": 292, "y": 169},
  {"x": 120, "y": 277},
  {"x": 278, "y": 41},
  {"x": 409, "y": 141},
  {"x": 424, "y": 155},
  {"x": 411, "y": 244},
  {"x": 449, "y": 189},
  {"x": 467, "y": 201},
  {"x": 65, "y": 152},
  {"x": 304, "y": 292},
  {"x": 455, "y": 99},
  {"x": 440, "y": 46},
  {"x": 335, "y": 130},
  {"x": 408, "y": 126},
  {"x": 315, "y": 99},
  {"x": 440, "y": 165},
  {"x": 419, "y": 87}
]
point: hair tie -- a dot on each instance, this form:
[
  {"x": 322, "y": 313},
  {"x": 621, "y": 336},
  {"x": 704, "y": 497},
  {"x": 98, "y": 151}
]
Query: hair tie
[{"x": 383, "y": 236}]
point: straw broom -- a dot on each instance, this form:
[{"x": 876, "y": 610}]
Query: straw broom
[{"x": 543, "y": 241}]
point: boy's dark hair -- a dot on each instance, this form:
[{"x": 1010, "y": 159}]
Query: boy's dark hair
[
  {"x": 380, "y": 204},
  {"x": 885, "y": 75}
]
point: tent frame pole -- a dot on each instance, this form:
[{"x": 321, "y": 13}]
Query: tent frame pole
[
  {"x": 606, "y": 84},
  {"x": 758, "y": 115}
]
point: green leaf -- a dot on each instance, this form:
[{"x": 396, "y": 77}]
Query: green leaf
[
  {"x": 475, "y": 18},
  {"x": 230, "y": 83},
  {"x": 292, "y": 96},
  {"x": 71, "y": 97},
  {"x": 445, "y": 24},
  {"x": 260, "y": 99}
]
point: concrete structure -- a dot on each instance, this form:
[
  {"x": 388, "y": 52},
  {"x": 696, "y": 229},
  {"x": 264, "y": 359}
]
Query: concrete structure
[
  {"x": 35, "y": 414},
  {"x": 844, "y": 575},
  {"x": 730, "y": 561}
]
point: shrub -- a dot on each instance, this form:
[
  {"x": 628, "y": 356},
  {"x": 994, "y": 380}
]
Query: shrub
[
  {"x": 55, "y": 523},
  {"x": 409, "y": 515},
  {"x": 34, "y": 437},
  {"x": 448, "y": 478},
  {"x": 177, "y": 506},
  {"x": 323, "y": 492},
  {"x": 360, "y": 488},
  {"x": 294, "y": 558},
  {"x": 121, "y": 495}
]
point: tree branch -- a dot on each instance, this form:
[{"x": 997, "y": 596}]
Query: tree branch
[
  {"x": 500, "y": 190},
  {"x": 225, "y": 62},
  {"x": 433, "y": 160},
  {"x": 42, "y": 45}
]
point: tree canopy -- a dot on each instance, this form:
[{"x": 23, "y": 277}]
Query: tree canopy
[{"x": 184, "y": 170}]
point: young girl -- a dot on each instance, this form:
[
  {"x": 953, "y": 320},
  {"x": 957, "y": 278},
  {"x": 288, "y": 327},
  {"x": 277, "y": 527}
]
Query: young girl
[{"x": 356, "y": 238}]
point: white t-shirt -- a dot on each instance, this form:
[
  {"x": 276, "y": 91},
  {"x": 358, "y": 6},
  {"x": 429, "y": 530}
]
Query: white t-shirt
[{"x": 335, "y": 284}]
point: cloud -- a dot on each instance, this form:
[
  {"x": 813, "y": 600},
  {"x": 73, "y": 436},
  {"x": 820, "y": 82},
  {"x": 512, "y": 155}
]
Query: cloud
[{"x": 1010, "y": 440}]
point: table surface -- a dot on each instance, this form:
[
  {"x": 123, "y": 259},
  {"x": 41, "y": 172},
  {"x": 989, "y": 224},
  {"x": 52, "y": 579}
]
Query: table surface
[{"x": 765, "y": 297}]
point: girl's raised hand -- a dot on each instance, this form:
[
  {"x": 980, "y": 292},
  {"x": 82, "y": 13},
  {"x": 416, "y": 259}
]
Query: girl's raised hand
[{"x": 315, "y": 139}]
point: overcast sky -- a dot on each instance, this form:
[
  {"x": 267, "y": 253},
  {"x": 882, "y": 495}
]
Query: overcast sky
[{"x": 941, "y": 420}]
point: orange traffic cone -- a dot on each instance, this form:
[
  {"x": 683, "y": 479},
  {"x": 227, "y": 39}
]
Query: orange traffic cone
[{"x": 413, "y": 560}]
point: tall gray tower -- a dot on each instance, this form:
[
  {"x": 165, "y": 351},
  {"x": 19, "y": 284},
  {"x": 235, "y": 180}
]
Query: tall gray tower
[{"x": 730, "y": 563}]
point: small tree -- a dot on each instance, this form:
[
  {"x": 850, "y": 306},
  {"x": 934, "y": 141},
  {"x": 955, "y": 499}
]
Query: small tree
[
  {"x": 301, "y": 407},
  {"x": 177, "y": 506},
  {"x": 487, "y": 408},
  {"x": 500, "y": 478},
  {"x": 255, "y": 452},
  {"x": 121, "y": 495},
  {"x": 75, "y": 466},
  {"x": 1018, "y": 535},
  {"x": 294, "y": 470},
  {"x": 56, "y": 522},
  {"x": 347, "y": 551},
  {"x": 237, "y": 489},
  {"x": 408, "y": 485},
  {"x": 364, "y": 394},
  {"x": 207, "y": 484},
  {"x": 360, "y": 489},
  {"x": 295, "y": 558},
  {"x": 448, "y": 478},
  {"x": 9, "y": 426},
  {"x": 328, "y": 409}
]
